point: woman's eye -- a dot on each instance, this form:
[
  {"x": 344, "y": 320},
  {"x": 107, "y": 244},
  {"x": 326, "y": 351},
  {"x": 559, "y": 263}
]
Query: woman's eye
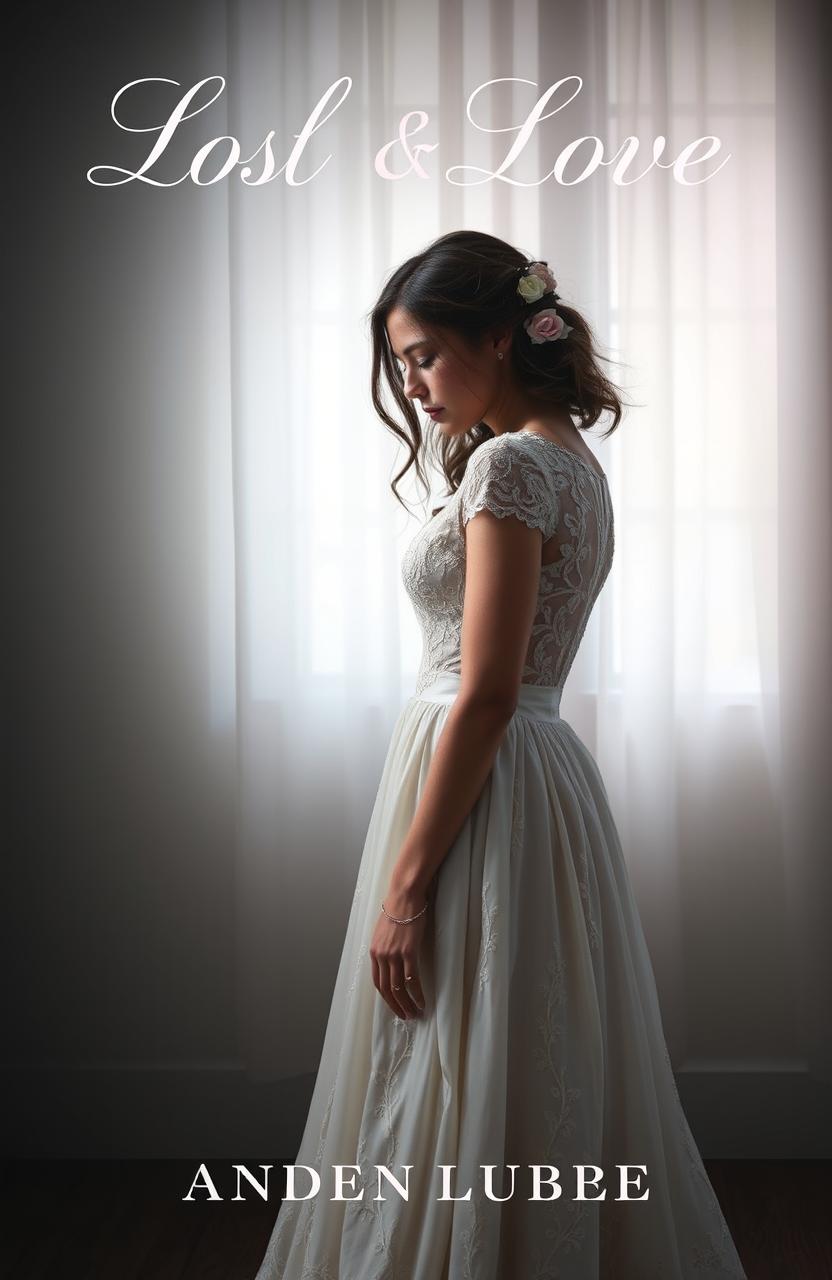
[{"x": 420, "y": 364}]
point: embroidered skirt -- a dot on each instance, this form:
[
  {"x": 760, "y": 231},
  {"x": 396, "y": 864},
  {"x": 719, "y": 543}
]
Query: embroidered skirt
[{"x": 541, "y": 1044}]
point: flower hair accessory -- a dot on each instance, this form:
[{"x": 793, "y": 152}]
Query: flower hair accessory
[{"x": 544, "y": 326}]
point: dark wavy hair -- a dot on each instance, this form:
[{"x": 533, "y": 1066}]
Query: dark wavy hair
[{"x": 466, "y": 282}]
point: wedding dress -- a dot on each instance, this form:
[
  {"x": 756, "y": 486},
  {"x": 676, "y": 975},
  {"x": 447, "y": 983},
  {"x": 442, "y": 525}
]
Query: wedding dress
[{"x": 541, "y": 1042}]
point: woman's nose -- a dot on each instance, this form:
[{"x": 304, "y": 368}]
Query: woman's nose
[{"x": 412, "y": 382}]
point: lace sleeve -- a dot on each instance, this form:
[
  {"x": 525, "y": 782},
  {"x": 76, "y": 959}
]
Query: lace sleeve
[{"x": 509, "y": 481}]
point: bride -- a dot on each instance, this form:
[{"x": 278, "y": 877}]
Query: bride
[{"x": 495, "y": 1003}]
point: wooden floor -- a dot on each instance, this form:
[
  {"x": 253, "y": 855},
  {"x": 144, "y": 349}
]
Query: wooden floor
[{"x": 100, "y": 1220}]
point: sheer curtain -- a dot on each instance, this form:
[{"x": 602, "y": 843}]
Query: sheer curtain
[{"x": 678, "y": 686}]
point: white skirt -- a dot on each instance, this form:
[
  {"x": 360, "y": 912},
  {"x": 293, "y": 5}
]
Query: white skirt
[{"x": 541, "y": 1044}]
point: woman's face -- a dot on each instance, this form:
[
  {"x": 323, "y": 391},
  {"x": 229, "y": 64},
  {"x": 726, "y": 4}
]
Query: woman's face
[{"x": 447, "y": 375}]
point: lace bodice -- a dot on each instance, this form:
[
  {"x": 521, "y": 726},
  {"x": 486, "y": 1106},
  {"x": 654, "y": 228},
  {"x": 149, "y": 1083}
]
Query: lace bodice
[{"x": 550, "y": 488}]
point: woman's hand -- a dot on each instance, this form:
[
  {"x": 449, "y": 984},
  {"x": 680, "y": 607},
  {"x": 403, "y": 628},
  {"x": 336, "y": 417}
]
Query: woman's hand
[{"x": 394, "y": 953}]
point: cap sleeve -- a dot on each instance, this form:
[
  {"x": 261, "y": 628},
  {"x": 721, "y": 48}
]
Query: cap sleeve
[{"x": 509, "y": 481}]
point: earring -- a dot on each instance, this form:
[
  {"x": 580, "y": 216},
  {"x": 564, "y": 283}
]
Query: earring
[{"x": 499, "y": 355}]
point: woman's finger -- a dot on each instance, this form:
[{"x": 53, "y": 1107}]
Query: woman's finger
[
  {"x": 394, "y": 997},
  {"x": 400, "y": 989},
  {"x": 414, "y": 986},
  {"x": 376, "y": 974},
  {"x": 385, "y": 986}
]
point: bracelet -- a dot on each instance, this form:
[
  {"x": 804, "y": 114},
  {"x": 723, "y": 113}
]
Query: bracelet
[{"x": 409, "y": 920}]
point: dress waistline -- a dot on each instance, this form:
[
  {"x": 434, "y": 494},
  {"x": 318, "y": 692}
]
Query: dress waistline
[{"x": 538, "y": 701}]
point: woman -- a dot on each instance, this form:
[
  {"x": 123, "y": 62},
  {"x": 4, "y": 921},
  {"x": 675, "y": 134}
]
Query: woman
[{"x": 495, "y": 1004}]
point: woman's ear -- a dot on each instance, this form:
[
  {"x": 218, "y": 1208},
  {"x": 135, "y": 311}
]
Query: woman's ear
[{"x": 500, "y": 341}]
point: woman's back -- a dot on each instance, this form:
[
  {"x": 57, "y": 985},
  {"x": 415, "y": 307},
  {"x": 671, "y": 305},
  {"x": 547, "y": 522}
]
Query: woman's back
[{"x": 551, "y": 488}]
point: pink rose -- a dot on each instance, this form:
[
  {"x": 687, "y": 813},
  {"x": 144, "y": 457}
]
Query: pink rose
[{"x": 546, "y": 326}]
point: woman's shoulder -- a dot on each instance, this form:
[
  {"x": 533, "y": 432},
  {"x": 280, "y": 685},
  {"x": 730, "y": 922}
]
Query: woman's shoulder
[
  {"x": 506, "y": 476},
  {"x": 541, "y": 453},
  {"x": 510, "y": 454},
  {"x": 508, "y": 446}
]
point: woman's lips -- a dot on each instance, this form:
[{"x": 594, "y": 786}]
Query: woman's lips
[{"x": 436, "y": 413}]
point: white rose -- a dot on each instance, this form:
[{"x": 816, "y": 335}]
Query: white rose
[{"x": 531, "y": 288}]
